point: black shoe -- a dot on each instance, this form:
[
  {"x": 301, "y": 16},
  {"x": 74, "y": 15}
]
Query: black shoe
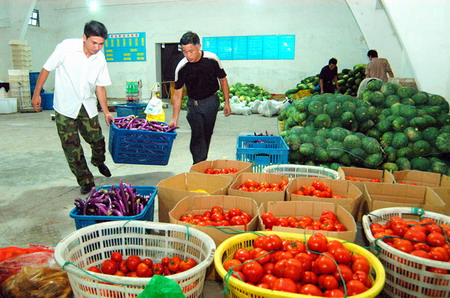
[
  {"x": 104, "y": 170},
  {"x": 87, "y": 188}
]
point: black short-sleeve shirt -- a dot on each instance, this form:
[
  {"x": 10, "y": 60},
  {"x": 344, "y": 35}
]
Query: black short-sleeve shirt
[
  {"x": 201, "y": 77},
  {"x": 327, "y": 75}
]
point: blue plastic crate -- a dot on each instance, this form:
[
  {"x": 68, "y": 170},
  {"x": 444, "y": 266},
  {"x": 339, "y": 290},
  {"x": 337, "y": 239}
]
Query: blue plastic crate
[
  {"x": 127, "y": 109},
  {"x": 33, "y": 78},
  {"x": 82, "y": 221},
  {"x": 139, "y": 146},
  {"x": 262, "y": 151},
  {"x": 47, "y": 101}
]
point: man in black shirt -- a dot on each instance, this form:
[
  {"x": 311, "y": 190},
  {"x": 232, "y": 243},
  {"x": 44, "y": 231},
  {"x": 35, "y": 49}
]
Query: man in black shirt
[
  {"x": 201, "y": 72},
  {"x": 328, "y": 77}
]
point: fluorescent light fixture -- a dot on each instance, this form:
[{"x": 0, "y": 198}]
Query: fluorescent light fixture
[{"x": 93, "y": 5}]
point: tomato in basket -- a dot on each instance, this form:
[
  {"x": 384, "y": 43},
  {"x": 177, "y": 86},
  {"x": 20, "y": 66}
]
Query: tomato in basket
[
  {"x": 327, "y": 222},
  {"x": 291, "y": 267},
  {"x": 218, "y": 217}
]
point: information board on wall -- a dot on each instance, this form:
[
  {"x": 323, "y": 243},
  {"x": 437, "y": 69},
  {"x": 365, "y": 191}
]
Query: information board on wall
[
  {"x": 254, "y": 47},
  {"x": 126, "y": 47}
]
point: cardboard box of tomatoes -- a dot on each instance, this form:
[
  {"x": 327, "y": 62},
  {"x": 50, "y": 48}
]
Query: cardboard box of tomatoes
[
  {"x": 314, "y": 210},
  {"x": 384, "y": 195},
  {"x": 262, "y": 187},
  {"x": 198, "y": 205},
  {"x": 343, "y": 193},
  {"x": 174, "y": 189},
  {"x": 421, "y": 178},
  {"x": 222, "y": 167}
]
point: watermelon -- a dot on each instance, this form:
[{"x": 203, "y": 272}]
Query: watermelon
[
  {"x": 420, "y": 163},
  {"x": 403, "y": 164},
  {"x": 307, "y": 149},
  {"x": 351, "y": 142},
  {"x": 391, "y": 153},
  {"x": 335, "y": 149},
  {"x": 347, "y": 118},
  {"x": 399, "y": 123},
  {"x": 333, "y": 109},
  {"x": 400, "y": 140},
  {"x": 338, "y": 134},
  {"x": 435, "y": 100},
  {"x": 439, "y": 167},
  {"x": 357, "y": 156},
  {"x": 386, "y": 139},
  {"x": 390, "y": 166},
  {"x": 413, "y": 134},
  {"x": 361, "y": 114},
  {"x": 391, "y": 99},
  {"x": 315, "y": 108},
  {"x": 405, "y": 152},
  {"x": 348, "y": 106},
  {"x": 388, "y": 89},
  {"x": 373, "y": 160},
  {"x": 321, "y": 155},
  {"x": 370, "y": 145},
  {"x": 405, "y": 92},
  {"x": 443, "y": 142},
  {"x": 422, "y": 148},
  {"x": 374, "y": 85},
  {"x": 322, "y": 121},
  {"x": 430, "y": 134},
  {"x": 420, "y": 98},
  {"x": 376, "y": 98},
  {"x": 320, "y": 142}
]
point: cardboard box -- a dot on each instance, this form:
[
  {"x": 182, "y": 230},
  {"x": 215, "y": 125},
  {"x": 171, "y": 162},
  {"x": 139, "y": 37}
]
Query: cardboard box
[
  {"x": 241, "y": 166},
  {"x": 200, "y": 204},
  {"x": 421, "y": 178},
  {"x": 259, "y": 197},
  {"x": 365, "y": 174},
  {"x": 352, "y": 195},
  {"x": 444, "y": 195},
  {"x": 312, "y": 209},
  {"x": 384, "y": 195},
  {"x": 174, "y": 189}
]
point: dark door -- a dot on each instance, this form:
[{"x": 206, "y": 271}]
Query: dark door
[{"x": 170, "y": 56}]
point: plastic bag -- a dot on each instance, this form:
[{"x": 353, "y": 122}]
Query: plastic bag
[
  {"x": 254, "y": 106},
  {"x": 161, "y": 117},
  {"x": 37, "y": 282},
  {"x": 12, "y": 251},
  {"x": 154, "y": 110},
  {"x": 268, "y": 108},
  {"x": 13, "y": 265},
  {"x": 161, "y": 287},
  {"x": 239, "y": 107}
]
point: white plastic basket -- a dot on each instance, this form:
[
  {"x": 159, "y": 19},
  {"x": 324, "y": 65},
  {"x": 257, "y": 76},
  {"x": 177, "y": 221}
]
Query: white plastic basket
[
  {"x": 407, "y": 275},
  {"x": 294, "y": 171},
  {"x": 91, "y": 245}
]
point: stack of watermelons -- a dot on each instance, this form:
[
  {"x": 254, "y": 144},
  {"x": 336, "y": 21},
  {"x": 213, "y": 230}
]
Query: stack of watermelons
[
  {"x": 390, "y": 127},
  {"x": 348, "y": 82}
]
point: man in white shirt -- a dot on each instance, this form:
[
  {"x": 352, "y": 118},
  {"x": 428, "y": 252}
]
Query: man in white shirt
[{"x": 81, "y": 73}]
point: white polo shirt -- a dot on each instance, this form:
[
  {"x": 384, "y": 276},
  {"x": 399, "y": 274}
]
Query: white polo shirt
[{"x": 76, "y": 78}]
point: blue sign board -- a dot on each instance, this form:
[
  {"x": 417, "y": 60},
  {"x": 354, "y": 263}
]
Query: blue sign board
[{"x": 126, "y": 47}]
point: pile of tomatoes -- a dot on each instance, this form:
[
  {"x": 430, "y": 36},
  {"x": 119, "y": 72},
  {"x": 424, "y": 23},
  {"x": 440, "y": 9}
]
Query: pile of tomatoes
[
  {"x": 220, "y": 171},
  {"x": 292, "y": 266},
  {"x": 351, "y": 178},
  {"x": 254, "y": 186},
  {"x": 134, "y": 266},
  {"x": 328, "y": 221},
  {"x": 218, "y": 217},
  {"x": 317, "y": 189},
  {"x": 424, "y": 238}
]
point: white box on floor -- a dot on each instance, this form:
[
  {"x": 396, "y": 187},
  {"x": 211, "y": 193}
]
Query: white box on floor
[{"x": 8, "y": 105}]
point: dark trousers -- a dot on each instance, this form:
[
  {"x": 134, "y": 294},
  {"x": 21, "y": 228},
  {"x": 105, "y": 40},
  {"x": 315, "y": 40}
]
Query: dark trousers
[
  {"x": 89, "y": 128},
  {"x": 202, "y": 116}
]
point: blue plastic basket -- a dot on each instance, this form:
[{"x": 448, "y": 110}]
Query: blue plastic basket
[
  {"x": 33, "y": 79},
  {"x": 82, "y": 221},
  {"x": 262, "y": 151},
  {"x": 47, "y": 101},
  {"x": 139, "y": 146},
  {"x": 127, "y": 109}
]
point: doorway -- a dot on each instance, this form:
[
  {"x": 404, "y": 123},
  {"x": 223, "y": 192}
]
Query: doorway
[{"x": 170, "y": 56}]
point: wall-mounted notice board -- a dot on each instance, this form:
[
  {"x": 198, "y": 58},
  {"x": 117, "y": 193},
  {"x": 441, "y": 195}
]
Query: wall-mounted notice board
[
  {"x": 125, "y": 47},
  {"x": 253, "y": 47}
]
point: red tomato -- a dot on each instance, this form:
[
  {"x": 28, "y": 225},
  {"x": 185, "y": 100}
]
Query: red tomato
[
  {"x": 187, "y": 264},
  {"x": 399, "y": 228},
  {"x": 439, "y": 254},
  {"x": 268, "y": 279},
  {"x": 342, "y": 255},
  {"x": 355, "y": 287},
  {"x": 346, "y": 272},
  {"x": 239, "y": 275},
  {"x": 362, "y": 277},
  {"x": 325, "y": 264},
  {"x": 272, "y": 242},
  {"x": 328, "y": 225},
  {"x": 403, "y": 245},
  {"x": 415, "y": 235},
  {"x": 232, "y": 263},
  {"x": 318, "y": 185},
  {"x": 361, "y": 265},
  {"x": 310, "y": 289},
  {"x": 262, "y": 256},
  {"x": 436, "y": 239},
  {"x": 422, "y": 246},
  {"x": 269, "y": 268},
  {"x": 281, "y": 222},
  {"x": 294, "y": 246},
  {"x": 119, "y": 273},
  {"x": 217, "y": 209},
  {"x": 285, "y": 285},
  {"x": 253, "y": 271},
  {"x": 340, "y": 227},
  {"x": 430, "y": 228},
  {"x": 328, "y": 215},
  {"x": 309, "y": 277},
  {"x": 420, "y": 253},
  {"x": 263, "y": 286},
  {"x": 217, "y": 217},
  {"x": 242, "y": 255},
  {"x": 438, "y": 270},
  {"x": 289, "y": 268},
  {"x": 305, "y": 259},
  {"x": 158, "y": 269},
  {"x": 116, "y": 256},
  {"x": 317, "y": 242},
  {"x": 143, "y": 270},
  {"x": 94, "y": 269},
  {"x": 329, "y": 282},
  {"x": 234, "y": 212},
  {"x": 109, "y": 267},
  {"x": 237, "y": 221},
  {"x": 333, "y": 245},
  {"x": 174, "y": 264},
  {"x": 132, "y": 274}
]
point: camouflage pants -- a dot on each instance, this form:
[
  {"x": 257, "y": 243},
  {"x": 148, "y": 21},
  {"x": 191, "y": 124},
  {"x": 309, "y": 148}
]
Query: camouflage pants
[{"x": 90, "y": 130}]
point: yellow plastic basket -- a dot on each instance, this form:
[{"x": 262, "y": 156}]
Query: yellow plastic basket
[{"x": 237, "y": 288}]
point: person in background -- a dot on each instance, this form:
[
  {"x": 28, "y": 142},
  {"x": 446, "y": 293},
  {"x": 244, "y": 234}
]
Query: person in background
[
  {"x": 328, "y": 77},
  {"x": 81, "y": 73},
  {"x": 201, "y": 72},
  {"x": 378, "y": 67}
]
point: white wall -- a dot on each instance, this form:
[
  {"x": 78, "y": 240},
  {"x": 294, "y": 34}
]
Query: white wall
[
  {"x": 423, "y": 28},
  {"x": 323, "y": 29}
]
